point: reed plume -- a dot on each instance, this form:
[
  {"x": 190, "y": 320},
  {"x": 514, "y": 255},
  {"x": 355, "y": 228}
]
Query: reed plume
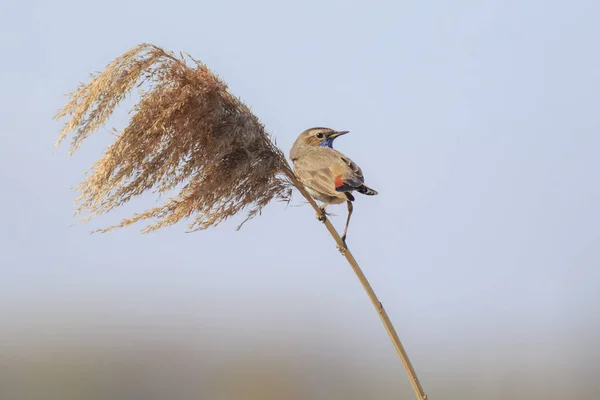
[{"x": 187, "y": 135}]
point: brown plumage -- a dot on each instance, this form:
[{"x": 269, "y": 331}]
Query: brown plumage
[{"x": 328, "y": 175}]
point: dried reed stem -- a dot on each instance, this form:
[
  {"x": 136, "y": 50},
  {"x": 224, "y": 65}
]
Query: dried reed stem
[
  {"x": 190, "y": 136},
  {"x": 387, "y": 323}
]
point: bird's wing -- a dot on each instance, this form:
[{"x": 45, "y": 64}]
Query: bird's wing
[
  {"x": 349, "y": 176},
  {"x": 328, "y": 171},
  {"x": 315, "y": 172},
  {"x": 353, "y": 171}
]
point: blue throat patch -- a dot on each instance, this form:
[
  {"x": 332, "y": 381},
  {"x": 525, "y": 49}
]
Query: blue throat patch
[{"x": 327, "y": 143}]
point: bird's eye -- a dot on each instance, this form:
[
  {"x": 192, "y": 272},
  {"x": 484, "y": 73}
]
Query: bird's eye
[{"x": 320, "y": 135}]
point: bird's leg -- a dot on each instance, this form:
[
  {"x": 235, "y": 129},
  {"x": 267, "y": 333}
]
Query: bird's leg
[{"x": 350, "y": 209}]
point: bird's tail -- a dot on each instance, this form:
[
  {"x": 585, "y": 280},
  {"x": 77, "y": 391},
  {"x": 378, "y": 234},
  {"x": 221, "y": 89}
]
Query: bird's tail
[{"x": 364, "y": 189}]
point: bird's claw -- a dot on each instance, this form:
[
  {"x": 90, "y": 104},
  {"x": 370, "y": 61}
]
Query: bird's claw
[
  {"x": 321, "y": 215},
  {"x": 342, "y": 248}
]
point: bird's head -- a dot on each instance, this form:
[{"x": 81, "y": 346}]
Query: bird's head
[{"x": 323, "y": 137}]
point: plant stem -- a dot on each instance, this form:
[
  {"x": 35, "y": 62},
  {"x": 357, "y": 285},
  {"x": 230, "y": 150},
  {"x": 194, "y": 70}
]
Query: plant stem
[{"x": 387, "y": 323}]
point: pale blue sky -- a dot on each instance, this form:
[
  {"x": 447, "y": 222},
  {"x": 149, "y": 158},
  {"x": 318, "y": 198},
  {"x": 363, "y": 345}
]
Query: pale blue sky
[{"x": 477, "y": 122}]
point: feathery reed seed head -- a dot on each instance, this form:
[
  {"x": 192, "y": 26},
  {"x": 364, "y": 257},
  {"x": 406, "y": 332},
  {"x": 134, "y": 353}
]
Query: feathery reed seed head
[{"x": 187, "y": 134}]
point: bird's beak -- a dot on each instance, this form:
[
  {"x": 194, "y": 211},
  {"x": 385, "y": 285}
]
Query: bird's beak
[{"x": 333, "y": 135}]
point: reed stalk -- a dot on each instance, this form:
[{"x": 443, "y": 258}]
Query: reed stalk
[{"x": 387, "y": 323}]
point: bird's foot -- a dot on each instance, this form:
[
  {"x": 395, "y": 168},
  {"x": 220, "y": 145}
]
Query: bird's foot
[
  {"x": 321, "y": 215},
  {"x": 342, "y": 249}
]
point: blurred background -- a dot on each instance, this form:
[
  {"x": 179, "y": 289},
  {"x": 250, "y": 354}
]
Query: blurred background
[{"x": 478, "y": 123}]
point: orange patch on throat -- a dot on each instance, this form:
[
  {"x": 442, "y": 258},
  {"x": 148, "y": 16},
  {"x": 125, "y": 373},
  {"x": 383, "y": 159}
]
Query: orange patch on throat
[{"x": 338, "y": 181}]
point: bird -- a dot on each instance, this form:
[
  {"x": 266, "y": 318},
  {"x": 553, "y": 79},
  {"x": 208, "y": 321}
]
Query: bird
[{"x": 328, "y": 175}]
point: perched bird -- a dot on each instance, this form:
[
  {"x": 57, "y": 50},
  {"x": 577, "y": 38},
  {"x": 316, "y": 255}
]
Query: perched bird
[{"x": 328, "y": 175}]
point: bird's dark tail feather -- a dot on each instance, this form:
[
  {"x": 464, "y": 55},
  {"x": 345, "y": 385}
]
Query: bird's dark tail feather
[{"x": 366, "y": 190}]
